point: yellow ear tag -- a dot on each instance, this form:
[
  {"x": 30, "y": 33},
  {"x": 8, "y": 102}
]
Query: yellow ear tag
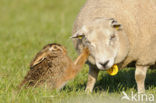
[
  {"x": 80, "y": 37},
  {"x": 117, "y": 28},
  {"x": 113, "y": 70}
]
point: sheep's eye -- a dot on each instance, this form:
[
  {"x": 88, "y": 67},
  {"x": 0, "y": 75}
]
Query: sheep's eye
[{"x": 112, "y": 37}]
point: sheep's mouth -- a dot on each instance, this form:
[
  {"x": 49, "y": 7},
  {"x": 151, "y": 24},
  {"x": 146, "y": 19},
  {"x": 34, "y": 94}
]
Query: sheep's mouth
[{"x": 105, "y": 65}]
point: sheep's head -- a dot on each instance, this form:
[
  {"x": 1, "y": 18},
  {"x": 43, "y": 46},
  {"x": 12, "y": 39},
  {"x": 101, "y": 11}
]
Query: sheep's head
[{"x": 102, "y": 39}]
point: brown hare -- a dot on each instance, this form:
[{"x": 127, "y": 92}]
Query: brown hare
[{"x": 52, "y": 67}]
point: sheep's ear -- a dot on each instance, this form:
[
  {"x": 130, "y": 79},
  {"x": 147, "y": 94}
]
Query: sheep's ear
[
  {"x": 115, "y": 24},
  {"x": 78, "y": 35},
  {"x": 81, "y": 33}
]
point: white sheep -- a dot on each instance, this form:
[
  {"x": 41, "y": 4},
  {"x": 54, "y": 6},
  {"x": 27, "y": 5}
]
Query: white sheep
[{"x": 117, "y": 32}]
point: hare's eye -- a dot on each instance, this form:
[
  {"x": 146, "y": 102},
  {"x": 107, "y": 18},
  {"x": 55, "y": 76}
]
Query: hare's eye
[{"x": 55, "y": 47}]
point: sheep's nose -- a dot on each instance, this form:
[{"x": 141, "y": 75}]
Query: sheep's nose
[{"x": 105, "y": 63}]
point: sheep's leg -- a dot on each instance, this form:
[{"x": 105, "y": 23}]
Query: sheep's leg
[
  {"x": 140, "y": 75},
  {"x": 92, "y": 76}
]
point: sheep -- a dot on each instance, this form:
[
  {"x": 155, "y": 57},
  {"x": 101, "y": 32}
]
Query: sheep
[
  {"x": 117, "y": 32},
  {"x": 52, "y": 67}
]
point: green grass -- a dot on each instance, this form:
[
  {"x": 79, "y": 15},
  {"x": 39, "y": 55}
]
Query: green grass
[{"x": 25, "y": 27}]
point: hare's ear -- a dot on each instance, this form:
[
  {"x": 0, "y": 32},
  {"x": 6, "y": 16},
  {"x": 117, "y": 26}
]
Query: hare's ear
[
  {"x": 80, "y": 33},
  {"x": 37, "y": 60},
  {"x": 115, "y": 24}
]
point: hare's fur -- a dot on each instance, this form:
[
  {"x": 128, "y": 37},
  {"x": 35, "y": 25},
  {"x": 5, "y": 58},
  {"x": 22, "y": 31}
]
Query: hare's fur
[{"x": 52, "y": 67}]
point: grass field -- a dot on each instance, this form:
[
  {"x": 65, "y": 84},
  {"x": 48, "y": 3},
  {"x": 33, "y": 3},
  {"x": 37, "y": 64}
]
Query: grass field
[{"x": 25, "y": 27}]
